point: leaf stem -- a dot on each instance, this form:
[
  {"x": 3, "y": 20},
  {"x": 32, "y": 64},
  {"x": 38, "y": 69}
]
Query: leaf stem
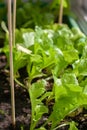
[
  {"x": 61, "y": 12},
  {"x": 22, "y": 85},
  {"x": 11, "y": 62},
  {"x": 62, "y": 125}
]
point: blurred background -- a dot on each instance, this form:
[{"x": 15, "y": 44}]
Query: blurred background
[{"x": 75, "y": 13}]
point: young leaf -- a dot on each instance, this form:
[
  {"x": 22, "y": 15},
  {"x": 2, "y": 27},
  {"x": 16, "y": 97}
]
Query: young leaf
[
  {"x": 71, "y": 55},
  {"x": 20, "y": 60},
  {"x": 36, "y": 90},
  {"x": 80, "y": 67},
  {"x": 69, "y": 78},
  {"x": 28, "y": 39},
  {"x": 73, "y": 126},
  {"x": 68, "y": 97},
  {"x": 23, "y": 49}
]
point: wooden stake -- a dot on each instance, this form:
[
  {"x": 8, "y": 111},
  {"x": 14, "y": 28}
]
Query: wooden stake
[
  {"x": 14, "y": 21},
  {"x": 61, "y": 12},
  {"x": 11, "y": 62}
]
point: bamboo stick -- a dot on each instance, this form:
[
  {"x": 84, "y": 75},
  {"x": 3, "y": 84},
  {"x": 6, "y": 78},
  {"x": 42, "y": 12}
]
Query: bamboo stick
[
  {"x": 11, "y": 62},
  {"x": 14, "y": 21},
  {"x": 61, "y": 12}
]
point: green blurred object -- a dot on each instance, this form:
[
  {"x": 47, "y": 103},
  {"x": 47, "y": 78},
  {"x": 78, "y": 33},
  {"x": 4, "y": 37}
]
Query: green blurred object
[
  {"x": 2, "y": 5},
  {"x": 72, "y": 22},
  {"x": 3, "y": 17},
  {"x": 2, "y": 11}
]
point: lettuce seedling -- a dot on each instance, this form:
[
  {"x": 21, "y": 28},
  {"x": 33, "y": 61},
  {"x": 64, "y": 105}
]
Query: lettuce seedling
[
  {"x": 68, "y": 97},
  {"x": 37, "y": 93},
  {"x": 52, "y": 53}
]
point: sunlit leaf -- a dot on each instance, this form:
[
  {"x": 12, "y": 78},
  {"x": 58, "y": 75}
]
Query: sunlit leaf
[{"x": 73, "y": 126}]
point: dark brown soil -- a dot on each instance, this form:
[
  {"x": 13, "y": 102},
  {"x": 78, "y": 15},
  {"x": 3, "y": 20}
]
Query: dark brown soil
[{"x": 23, "y": 106}]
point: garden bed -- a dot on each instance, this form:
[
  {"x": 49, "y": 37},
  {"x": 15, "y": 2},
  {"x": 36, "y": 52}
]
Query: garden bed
[
  {"x": 23, "y": 106},
  {"x": 49, "y": 67}
]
